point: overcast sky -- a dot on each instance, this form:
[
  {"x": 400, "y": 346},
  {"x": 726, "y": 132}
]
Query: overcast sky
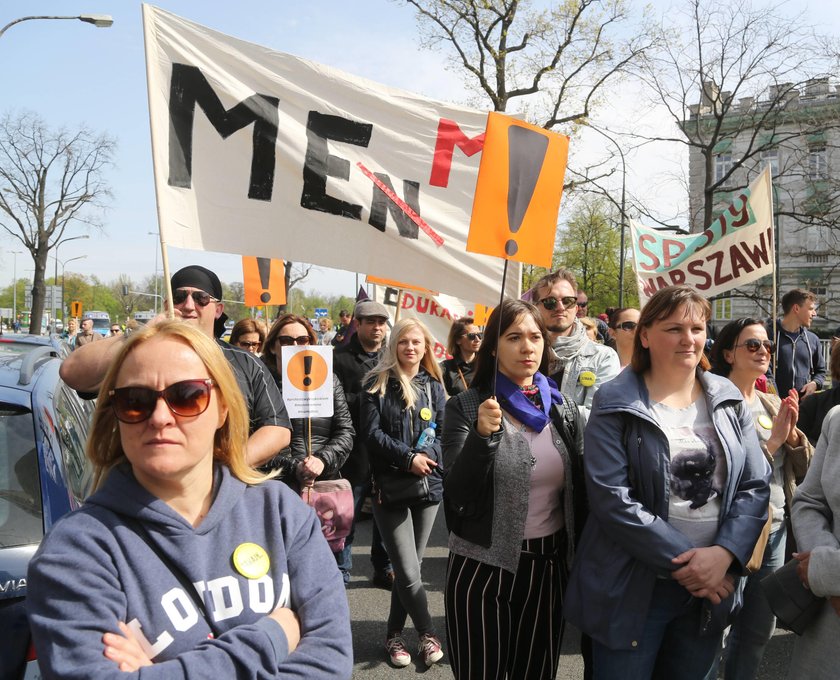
[{"x": 71, "y": 73}]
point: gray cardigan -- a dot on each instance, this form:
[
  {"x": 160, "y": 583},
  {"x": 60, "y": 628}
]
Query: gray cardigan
[{"x": 507, "y": 456}]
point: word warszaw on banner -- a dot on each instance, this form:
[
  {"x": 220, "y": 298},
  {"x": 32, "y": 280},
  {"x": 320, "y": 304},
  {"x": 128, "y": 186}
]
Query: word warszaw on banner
[
  {"x": 736, "y": 249},
  {"x": 268, "y": 155}
]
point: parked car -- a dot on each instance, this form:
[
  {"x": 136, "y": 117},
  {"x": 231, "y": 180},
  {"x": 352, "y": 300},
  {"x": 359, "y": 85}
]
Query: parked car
[{"x": 44, "y": 474}]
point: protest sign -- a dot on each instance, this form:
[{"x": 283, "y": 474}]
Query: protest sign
[
  {"x": 265, "y": 154},
  {"x": 308, "y": 381},
  {"x": 736, "y": 249}
]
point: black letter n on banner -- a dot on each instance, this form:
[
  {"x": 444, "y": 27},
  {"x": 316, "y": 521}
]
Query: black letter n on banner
[{"x": 188, "y": 88}]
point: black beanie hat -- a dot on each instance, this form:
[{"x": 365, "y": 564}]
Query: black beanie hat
[{"x": 196, "y": 276}]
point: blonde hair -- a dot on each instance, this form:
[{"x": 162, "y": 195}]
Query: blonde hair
[
  {"x": 104, "y": 446},
  {"x": 389, "y": 365}
]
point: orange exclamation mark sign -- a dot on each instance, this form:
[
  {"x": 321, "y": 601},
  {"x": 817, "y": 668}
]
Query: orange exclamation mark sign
[
  {"x": 264, "y": 281},
  {"x": 517, "y": 195}
]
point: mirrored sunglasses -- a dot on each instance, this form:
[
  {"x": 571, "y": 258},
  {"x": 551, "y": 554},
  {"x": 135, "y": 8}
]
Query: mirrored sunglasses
[
  {"x": 753, "y": 345},
  {"x": 551, "y": 302},
  {"x": 186, "y": 398},
  {"x": 288, "y": 340},
  {"x": 626, "y": 325},
  {"x": 202, "y": 299}
]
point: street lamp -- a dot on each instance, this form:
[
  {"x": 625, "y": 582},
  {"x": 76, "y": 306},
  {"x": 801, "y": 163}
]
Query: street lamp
[
  {"x": 623, "y": 216},
  {"x": 15, "y": 253},
  {"x": 63, "y": 265},
  {"x": 55, "y": 279},
  {"x": 98, "y": 20}
]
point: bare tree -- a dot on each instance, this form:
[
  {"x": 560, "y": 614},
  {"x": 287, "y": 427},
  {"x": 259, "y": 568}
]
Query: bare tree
[
  {"x": 50, "y": 180},
  {"x": 552, "y": 61},
  {"x": 731, "y": 74}
]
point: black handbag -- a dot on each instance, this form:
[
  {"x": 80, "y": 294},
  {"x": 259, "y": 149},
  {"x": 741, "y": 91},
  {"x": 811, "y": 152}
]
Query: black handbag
[
  {"x": 793, "y": 604},
  {"x": 399, "y": 489}
]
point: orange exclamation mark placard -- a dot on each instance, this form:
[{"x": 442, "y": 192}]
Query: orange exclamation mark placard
[
  {"x": 264, "y": 281},
  {"x": 517, "y": 196}
]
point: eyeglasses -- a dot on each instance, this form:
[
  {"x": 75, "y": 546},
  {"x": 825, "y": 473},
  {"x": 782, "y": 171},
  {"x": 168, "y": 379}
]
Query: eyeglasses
[
  {"x": 202, "y": 299},
  {"x": 584, "y": 303},
  {"x": 753, "y": 345},
  {"x": 551, "y": 303},
  {"x": 472, "y": 337},
  {"x": 186, "y": 398},
  {"x": 626, "y": 326},
  {"x": 288, "y": 340},
  {"x": 247, "y": 345}
]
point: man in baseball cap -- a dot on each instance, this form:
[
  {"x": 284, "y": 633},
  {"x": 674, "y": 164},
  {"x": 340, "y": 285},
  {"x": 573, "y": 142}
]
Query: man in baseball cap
[{"x": 197, "y": 295}]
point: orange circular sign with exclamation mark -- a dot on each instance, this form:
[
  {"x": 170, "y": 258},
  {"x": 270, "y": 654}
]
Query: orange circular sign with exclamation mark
[{"x": 307, "y": 371}]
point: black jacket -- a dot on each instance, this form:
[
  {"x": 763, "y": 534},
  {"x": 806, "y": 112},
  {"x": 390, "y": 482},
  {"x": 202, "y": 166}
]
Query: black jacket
[
  {"x": 391, "y": 430},
  {"x": 813, "y": 410},
  {"x": 456, "y": 372},
  {"x": 350, "y": 364}
]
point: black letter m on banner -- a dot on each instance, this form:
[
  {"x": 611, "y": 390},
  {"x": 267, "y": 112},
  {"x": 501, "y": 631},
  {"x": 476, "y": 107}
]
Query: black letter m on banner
[{"x": 188, "y": 87}]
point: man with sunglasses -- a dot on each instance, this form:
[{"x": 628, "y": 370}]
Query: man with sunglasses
[
  {"x": 798, "y": 362},
  {"x": 197, "y": 294},
  {"x": 579, "y": 365},
  {"x": 351, "y": 362}
]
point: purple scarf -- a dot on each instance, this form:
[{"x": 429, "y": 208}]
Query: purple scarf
[{"x": 523, "y": 409}]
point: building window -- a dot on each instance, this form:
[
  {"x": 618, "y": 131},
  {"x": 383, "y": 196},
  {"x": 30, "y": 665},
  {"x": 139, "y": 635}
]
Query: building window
[
  {"x": 817, "y": 163},
  {"x": 723, "y": 164},
  {"x": 722, "y": 309},
  {"x": 771, "y": 158}
]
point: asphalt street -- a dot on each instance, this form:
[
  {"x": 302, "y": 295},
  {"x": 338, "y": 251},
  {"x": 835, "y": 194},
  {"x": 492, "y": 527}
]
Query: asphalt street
[{"x": 369, "y": 611}]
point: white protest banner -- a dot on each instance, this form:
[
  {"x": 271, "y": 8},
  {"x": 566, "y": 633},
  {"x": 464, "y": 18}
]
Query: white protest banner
[
  {"x": 736, "y": 249},
  {"x": 308, "y": 381},
  {"x": 437, "y": 312},
  {"x": 265, "y": 154}
]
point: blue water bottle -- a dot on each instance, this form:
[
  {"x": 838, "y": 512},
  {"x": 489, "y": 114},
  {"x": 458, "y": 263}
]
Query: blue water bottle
[{"x": 427, "y": 436}]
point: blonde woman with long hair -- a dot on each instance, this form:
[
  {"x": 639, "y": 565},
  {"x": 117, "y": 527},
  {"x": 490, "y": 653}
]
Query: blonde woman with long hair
[
  {"x": 183, "y": 560},
  {"x": 403, "y": 398}
]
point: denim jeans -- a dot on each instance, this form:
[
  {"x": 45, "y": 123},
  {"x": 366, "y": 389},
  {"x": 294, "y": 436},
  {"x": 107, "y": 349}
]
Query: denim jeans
[
  {"x": 405, "y": 532},
  {"x": 755, "y": 623},
  {"x": 670, "y": 645},
  {"x": 378, "y": 555}
]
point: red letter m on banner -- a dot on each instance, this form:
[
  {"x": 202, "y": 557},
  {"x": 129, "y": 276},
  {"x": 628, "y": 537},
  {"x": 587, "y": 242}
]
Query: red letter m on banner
[{"x": 449, "y": 136}]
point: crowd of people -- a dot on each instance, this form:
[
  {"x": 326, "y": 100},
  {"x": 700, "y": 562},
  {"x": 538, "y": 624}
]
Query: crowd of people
[{"x": 622, "y": 475}]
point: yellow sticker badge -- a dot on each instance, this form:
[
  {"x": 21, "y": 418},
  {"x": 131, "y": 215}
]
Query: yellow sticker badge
[
  {"x": 425, "y": 414},
  {"x": 251, "y": 560},
  {"x": 587, "y": 378},
  {"x": 765, "y": 422}
]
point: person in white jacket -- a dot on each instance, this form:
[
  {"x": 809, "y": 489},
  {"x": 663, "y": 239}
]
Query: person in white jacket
[{"x": 579, "y": 365}]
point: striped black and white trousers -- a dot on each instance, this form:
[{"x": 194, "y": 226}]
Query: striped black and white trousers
[{"x": 502, "y": 625}]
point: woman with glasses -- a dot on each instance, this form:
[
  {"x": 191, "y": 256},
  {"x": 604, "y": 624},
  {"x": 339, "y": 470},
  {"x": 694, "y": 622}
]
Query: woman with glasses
[
  {"x": 248, "y": 334},
  {"x": 513, "y": 495},
  {"x": 329, "y": 440},
  {"x": 402, "y": 417},
  {"x": 742, "y": 353},
  {"x": 183, "y": 562},
  {"x": 622, "y": 328},
  {"x": 462, "y": 345},
  {"x": 678, "y": 492}
]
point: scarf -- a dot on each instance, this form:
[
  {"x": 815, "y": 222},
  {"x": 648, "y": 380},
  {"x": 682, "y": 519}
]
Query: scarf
[
  {"x": 523, "y": 409},
  {"x": 566, "y": 347}
]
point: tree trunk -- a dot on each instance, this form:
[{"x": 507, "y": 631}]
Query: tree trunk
[{"x": 39, "y": 290}]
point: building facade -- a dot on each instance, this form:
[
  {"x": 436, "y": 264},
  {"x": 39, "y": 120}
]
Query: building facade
[{"x": 796, "y": 131}]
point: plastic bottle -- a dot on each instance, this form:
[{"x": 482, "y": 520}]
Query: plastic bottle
[{"x": 427, "y": 436}]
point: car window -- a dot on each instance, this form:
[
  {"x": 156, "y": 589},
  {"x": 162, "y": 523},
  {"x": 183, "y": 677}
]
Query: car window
[
  {"x": 74, "y": 419},
  {"x": 21, "y": 515}
]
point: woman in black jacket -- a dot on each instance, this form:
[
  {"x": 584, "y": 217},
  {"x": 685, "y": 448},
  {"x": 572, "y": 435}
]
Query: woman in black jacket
[
  {"x": 402, "y": 401},
  {"x": 462, "y": 344},
  {"x": 330, "y": 439}
]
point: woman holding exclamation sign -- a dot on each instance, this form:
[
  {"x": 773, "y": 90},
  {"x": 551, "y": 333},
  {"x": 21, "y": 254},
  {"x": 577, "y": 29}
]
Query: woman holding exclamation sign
[
  {"x": 402, "y": 410},
  {"x": 331, "y": 438}
]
